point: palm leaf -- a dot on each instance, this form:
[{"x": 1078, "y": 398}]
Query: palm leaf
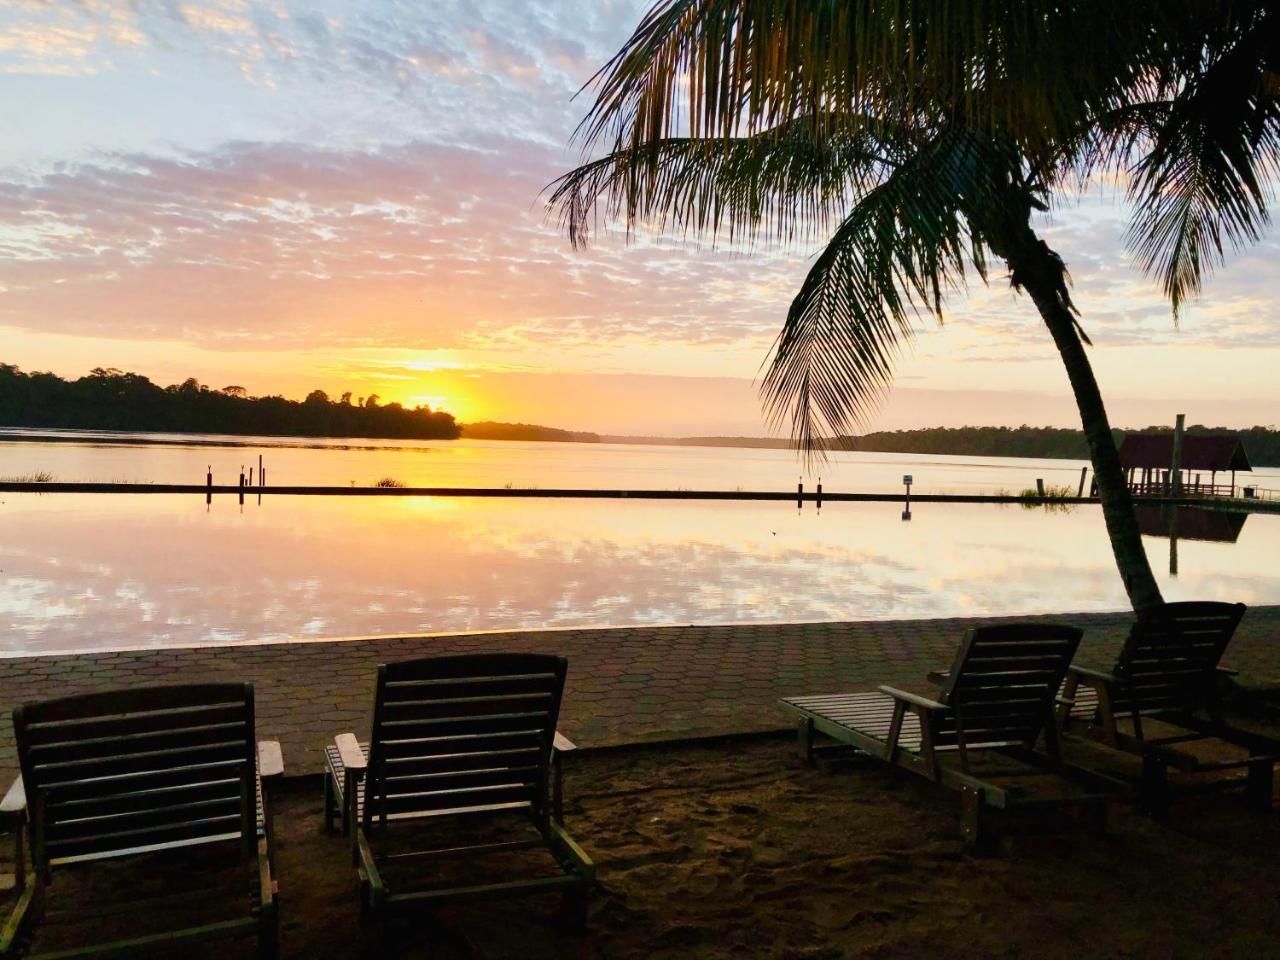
[
  {"x": 900, "y": 248},
  {"x": 1202, "y": 187},
  {"x": 781, "y": 182}
]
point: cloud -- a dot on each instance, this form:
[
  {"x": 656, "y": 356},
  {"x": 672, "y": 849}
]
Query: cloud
[
  {"x": 367, "y": 176},
  {"x": 423, "y": 244}
]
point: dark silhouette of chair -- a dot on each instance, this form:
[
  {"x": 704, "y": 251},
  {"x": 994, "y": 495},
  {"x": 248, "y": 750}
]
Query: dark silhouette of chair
[
  {"x": 135, "y": 773},
  {"x": 455, "y": 737},
  {"x": 998, "y": 698},
  {"x": 1168, "y": 676}
]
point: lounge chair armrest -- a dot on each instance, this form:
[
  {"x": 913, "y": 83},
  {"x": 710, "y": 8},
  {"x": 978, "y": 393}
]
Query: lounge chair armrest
[
  {"x": 270, "y": 759},
  {"x": 912, "y": 698},
  {"x": 350, "y": 753},
  {"x": 938, "y": 676},
  {"x": 1227, "y": 672},
  {"x": 15, "y": 801},
  {"x": 563, "y": 744},
  {"x": 1091, "y": 676}
]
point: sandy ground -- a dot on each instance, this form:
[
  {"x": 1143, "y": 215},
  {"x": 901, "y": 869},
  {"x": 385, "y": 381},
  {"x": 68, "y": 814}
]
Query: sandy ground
[{"x": 739, "y": 850}]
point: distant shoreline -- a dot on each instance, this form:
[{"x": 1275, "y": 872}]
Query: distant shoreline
[{"x": 1014, "y": 443}]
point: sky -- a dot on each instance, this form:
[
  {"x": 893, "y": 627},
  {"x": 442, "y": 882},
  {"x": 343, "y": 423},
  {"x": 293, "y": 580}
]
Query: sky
[{"x": 287, "y": 195}]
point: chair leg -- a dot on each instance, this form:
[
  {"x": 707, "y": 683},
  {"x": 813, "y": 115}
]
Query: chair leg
[
  {"x": 1155, "y": 788},
  {"x": 977, "y": 825},
  {"x": 573, "y": 908},
  {"x": 371, "y": 924},
  {"x": 269, "y": 934},
  {"x": 329, "y": 806},
  {"x": 1106, "y": 814},
  {"x": 804, "y": 731},
  {"x": 1260, "y": 785}
]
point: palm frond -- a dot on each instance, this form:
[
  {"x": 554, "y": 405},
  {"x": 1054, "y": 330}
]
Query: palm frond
[
  {"x": 720, "y": 68},
  {"x": 1203, "y": 186},
  {"x": 781, "y": 182},
  {"x": 902, "y": 246}
]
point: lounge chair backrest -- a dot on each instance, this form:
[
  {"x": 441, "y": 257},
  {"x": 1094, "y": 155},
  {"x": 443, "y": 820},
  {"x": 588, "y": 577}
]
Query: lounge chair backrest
[
  {"x": 117, "y": 773},
  {"x": 1170, "y": 658},
  {"x": 1003, "y": 682},
  {"x": 461, "y": 734}
]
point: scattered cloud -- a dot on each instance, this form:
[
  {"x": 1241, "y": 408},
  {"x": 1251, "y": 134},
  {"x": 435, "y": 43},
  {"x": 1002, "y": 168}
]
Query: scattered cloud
[{"x": 358, "y": 176}]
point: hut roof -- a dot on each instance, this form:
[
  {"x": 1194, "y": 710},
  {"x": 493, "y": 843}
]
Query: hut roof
[{"x": 1199, "y": 452}]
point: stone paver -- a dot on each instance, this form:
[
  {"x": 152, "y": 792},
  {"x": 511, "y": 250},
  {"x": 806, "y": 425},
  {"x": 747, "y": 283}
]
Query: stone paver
[{"x": 625, "y": 685}]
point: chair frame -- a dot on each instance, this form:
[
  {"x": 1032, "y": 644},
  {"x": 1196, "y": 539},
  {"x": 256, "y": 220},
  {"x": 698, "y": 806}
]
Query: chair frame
[
  {"x": 195, "y": 718},
  {"x": 1196, "y": 710},
  {"x": 364, "y": 768},
  {"x": 857, "y": 721}
]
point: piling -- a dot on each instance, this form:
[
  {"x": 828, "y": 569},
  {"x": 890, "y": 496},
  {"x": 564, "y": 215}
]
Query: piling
[
  {"x": 1175, "y": 471},
  {"x": 1084, "y": 472}
]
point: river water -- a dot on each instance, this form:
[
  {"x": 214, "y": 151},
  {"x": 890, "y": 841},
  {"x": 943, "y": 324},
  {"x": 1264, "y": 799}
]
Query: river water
[{"x": 81, "y": 571}]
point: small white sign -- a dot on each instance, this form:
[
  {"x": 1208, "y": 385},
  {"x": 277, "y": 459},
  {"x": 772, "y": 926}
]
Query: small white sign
[{"x": 907, "y": 479}]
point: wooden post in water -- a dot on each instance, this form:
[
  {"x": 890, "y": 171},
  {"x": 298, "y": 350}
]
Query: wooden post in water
[
  {"x": 1175, "y": 470},
  {"x": 1040, "y": 486},
  {"x": 819, "y": 493},
  {"x": 242, "y": 485},
  {"x": 262, "y": 476},
  {"x": 208, "y": 486},
  {"x": 800, "y": 494},
  {"x": 1084, "y": 472}
]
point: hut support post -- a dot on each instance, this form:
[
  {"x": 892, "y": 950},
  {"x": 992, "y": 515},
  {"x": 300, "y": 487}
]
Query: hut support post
[{"x": 1175, "y": 470}]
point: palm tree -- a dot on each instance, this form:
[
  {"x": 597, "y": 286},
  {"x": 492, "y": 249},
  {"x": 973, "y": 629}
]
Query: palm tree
[{"x": 922, "y": 137}]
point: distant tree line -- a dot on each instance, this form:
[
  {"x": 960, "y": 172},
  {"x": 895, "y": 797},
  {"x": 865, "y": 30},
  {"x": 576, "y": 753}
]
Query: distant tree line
[
  {"x": 109, "y": 399},
  {"x": 1262, "y": 444},
  {"x": 490, "y": 430}
]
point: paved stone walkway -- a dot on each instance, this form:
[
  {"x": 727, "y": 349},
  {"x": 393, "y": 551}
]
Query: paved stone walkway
[{"x": 625, "y": 685}]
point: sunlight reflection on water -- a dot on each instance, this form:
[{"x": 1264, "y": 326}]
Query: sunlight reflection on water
[{"x": 84, "y": 571}]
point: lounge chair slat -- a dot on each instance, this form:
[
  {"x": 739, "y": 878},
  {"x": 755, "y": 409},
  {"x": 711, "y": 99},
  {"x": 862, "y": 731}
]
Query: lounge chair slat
[
  {"x": 448, "y": 726},
  {"x": 426, "y": 783},
  {"x": 454, "y": 800},
  {"x": 137, "y": 744},
  {"x": 80, "y": 771},
  {"x": 101, "y": 805},
  {"x": 461, "y": 762},
  {"x": 167, "y": 816},
  {"x": 469, "y": 707},
  {"x": 151, "y": 722},
  {"x": 90, "y": 708},
  {"x": 441, "y": 746}
]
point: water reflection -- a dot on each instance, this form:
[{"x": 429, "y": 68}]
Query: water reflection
[{"x": 103, "y": 571}]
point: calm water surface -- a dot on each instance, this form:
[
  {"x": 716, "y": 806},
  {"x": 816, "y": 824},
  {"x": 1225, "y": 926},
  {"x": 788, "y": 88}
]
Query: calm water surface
[
  {"x": 130, "y": 458},
  {"x": 103, "y": 571}
]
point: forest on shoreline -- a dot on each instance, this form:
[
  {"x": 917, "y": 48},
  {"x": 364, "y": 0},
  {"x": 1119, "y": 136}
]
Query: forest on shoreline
[
  {"x": 1048, "y": 443},
  {"x": 110, "y": 399}
]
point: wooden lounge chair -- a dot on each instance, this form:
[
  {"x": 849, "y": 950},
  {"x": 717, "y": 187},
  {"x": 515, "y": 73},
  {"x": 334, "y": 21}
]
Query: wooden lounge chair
[
  {"x": 139, "y": 773},
  {"x": 997, "y": 699},
  {"x": 1162, "y": 697},
  {"x": 455, "y": 737}
]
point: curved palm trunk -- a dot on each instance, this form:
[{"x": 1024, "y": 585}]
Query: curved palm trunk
[{"x": 1040, "y": 271}]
